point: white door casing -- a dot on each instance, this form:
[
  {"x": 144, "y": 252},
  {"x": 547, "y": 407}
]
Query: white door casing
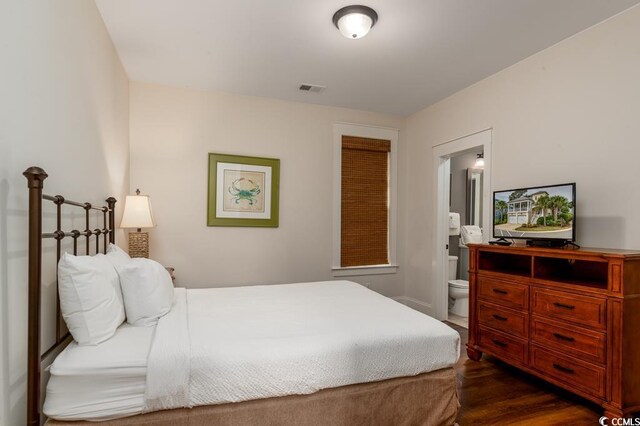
[{"x": 441, "y": 155}]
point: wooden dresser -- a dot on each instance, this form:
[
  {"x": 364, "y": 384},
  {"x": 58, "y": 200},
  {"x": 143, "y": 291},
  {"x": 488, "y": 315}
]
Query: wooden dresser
[{"x": 571, "y": 317}]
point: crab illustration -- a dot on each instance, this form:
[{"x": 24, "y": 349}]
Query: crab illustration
[{"x": 244, "y": 189}]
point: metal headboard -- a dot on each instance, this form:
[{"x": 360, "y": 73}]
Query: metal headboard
[{"x": 35, "y": 178}]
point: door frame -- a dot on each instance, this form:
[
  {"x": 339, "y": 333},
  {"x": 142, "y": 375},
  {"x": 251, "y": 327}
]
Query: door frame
[{"x": 441, "y": 166}]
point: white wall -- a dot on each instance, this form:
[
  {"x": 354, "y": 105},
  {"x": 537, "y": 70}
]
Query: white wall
[
  {"x": 569, "y": 113},
  {"x": 173, "y": 130},
  {"x": 64, "y": 107}
]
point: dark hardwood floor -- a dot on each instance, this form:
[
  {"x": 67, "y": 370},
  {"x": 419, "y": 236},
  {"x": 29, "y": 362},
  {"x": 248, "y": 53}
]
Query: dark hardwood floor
[{"x": 494, "y": 393}]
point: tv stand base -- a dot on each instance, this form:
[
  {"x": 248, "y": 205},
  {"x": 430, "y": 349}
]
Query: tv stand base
[{"x": 500, "y": 242}]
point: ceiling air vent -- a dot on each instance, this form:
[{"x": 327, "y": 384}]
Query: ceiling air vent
[{"x": 315, "y": 88}]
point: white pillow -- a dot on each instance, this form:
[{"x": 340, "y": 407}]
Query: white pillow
[
  {"x": 90, "y": 298},
  {"x": 116, "y": 284},
  {"x": 117, "y": 256},
  {"x": 147, "y": 290}
]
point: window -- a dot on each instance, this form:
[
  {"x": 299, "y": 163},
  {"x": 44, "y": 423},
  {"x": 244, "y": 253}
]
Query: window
[{"x": 365, "y": 200}]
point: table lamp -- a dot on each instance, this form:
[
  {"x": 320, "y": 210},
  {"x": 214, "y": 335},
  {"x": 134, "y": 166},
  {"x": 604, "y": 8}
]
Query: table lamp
[{"x": 137, "y": 214}]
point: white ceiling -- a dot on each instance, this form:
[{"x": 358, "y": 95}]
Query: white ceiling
[{"x": 419, "y": 52}]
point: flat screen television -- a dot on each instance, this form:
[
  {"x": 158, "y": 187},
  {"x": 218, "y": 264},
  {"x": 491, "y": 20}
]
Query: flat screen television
[{"x": 536, "y": 213}]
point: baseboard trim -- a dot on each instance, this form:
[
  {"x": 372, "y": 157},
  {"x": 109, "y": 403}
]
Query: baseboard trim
[{"x": 416, "y": 304}]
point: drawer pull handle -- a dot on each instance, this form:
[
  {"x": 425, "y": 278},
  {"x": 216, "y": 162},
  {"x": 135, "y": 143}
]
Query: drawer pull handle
[
  {"x": 500, "y": 343},
  {"x": 563, "y": 369},
  {"x": 562, "y": 305},
  {"x": 499, "y": 317},
  {"x": 497, "y": 290},
  {"x": 563, "y": 337}
]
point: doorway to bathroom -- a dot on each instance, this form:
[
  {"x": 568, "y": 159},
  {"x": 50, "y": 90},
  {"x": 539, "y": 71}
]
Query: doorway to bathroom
[{"x": 463, "y": 188}]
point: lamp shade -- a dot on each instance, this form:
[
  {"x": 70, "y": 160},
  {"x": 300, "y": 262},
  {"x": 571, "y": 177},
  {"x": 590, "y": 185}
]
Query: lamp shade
[{"x": 137, "y": 212}]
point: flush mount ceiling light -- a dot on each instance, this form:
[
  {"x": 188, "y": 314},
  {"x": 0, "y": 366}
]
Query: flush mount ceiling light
[{"x": 355, "y": 21}]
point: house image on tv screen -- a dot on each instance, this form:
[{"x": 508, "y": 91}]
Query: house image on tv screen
[
  {"x": 544, "y": 212},
  {"x": 522, "y": 210}
]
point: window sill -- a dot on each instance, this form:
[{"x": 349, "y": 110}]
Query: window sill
[{"x": 364, "y": 270}]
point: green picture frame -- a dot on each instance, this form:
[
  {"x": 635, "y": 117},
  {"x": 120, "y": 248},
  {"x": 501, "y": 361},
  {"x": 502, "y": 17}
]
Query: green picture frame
[{"x": 243, "y": 191}]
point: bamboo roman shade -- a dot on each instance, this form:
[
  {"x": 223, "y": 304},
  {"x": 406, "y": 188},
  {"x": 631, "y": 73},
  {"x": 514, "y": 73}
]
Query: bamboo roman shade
[{"x": 365, "y": 201}]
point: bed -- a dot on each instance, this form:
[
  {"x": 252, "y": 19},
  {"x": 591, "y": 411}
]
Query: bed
[{"x": 328, "y": 352}]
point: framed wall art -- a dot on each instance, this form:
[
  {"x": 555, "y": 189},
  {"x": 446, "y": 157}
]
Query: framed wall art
[{"x": 243, "y": 191}]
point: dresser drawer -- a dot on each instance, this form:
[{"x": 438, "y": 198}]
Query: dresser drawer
[
  {"x": 503, "y": 319},
  {"x": 578, "y": 309},
  {"x": 571, "y": 371},
  {"x": 503, "y": 292},
  {"x": 586, "y": 344},
  {"x": 503, "y": 345}
]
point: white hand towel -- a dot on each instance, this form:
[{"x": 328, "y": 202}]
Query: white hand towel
[{"x": 471, "y": 234}]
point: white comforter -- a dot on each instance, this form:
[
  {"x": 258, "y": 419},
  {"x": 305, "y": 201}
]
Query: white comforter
[{"x": 243, "y": 343}]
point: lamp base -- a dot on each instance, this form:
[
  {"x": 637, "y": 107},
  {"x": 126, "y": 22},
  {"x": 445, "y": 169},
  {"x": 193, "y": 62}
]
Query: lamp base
[{"x": 139, "y": 244}]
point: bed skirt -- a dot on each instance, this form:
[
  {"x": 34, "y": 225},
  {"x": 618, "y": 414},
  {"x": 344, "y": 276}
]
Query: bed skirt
[{"x": 426, "y": 399}]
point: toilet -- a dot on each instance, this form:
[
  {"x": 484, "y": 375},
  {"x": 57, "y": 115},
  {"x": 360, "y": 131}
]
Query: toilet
[{"x": 458, "y": 291}]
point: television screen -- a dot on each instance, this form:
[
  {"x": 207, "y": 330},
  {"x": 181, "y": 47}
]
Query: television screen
[{"x": 544, "y": 213}]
